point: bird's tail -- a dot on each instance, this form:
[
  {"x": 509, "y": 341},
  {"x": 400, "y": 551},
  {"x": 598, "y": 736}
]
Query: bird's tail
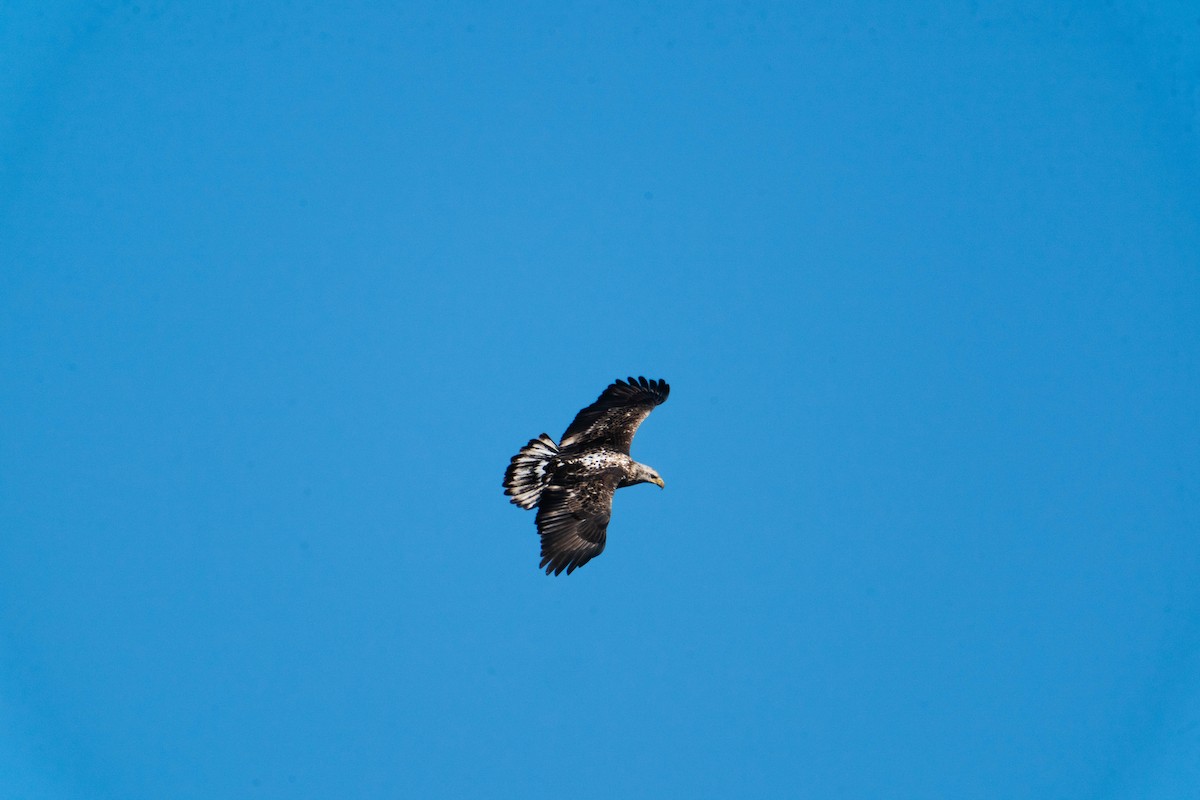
[{"x": 529, "y": 472}]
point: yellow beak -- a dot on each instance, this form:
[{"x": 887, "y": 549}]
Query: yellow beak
[{"x": 661, "y": 483}]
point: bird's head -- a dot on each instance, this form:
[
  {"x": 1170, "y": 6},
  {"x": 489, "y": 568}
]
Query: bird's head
[{"x": 650, "y": 475}]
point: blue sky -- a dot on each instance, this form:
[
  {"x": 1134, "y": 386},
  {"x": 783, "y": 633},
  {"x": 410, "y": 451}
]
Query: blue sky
[{"x": 286, "y": 285}]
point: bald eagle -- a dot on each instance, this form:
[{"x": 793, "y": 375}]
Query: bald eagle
[{"x": 572, "y": 483}]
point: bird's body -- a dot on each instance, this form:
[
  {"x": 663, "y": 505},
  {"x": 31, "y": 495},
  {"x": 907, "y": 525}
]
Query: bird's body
[{"x": 572, "y": 483}]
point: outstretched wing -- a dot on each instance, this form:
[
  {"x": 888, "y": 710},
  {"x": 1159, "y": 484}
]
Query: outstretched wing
[
  {"x": 572, "y": 521},
  {"x": 614, "y": 418}
]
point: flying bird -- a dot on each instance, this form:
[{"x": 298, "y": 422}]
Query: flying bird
[{"x": 572, "y": 483}]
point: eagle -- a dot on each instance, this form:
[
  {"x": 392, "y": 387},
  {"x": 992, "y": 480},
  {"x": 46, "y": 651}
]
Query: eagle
[{"x": 572, "y": 483}]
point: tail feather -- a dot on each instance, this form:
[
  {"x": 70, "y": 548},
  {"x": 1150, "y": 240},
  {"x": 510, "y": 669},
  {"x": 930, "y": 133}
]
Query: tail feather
[{"x": 529, "y": 472}]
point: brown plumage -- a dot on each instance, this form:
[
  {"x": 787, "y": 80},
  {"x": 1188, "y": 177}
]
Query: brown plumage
[{"x": 572, "y": 483}]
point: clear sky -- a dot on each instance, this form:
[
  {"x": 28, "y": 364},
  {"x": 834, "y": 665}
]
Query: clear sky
[{"x": 284, "y": 286}]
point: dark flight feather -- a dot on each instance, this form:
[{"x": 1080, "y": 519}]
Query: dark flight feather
[
  {"x": 614, "y": 418},
  {"x": 573, "y": 520}
]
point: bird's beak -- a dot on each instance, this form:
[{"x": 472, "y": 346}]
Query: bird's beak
[{"x": 661, "y": 483}]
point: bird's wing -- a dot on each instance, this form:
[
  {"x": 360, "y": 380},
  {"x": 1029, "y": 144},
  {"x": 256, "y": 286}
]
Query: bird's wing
[
  {"x": 612, "y": 420},
  {"x": 572, "y": 521}
]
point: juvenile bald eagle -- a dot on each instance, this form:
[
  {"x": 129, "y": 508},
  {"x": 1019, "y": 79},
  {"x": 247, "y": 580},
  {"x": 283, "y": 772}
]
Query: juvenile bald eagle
[{"x": 572, "y": 483}]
